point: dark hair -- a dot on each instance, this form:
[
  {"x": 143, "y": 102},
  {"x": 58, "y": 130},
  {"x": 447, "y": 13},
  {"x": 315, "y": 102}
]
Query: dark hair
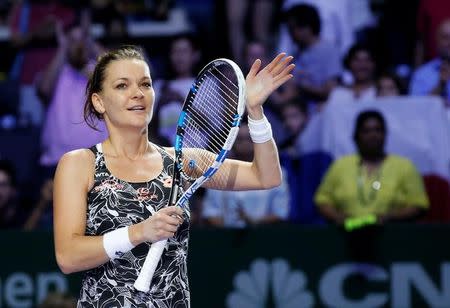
[
  {"x": 189, "y": 36},
  {"x": 363, "y": 117},
  {"x": 354, "y": 50},
  {"x": 296, "y": 102},
  {"x": 7, "y": 167},
  {"x": 304, "y": 15},
  {"x": 196, "y": 45},
  {"x": 97, "y": 77}
]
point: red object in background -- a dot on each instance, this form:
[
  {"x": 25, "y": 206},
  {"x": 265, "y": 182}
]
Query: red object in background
[
  {"x": 438, "y": 190},
  {"x": 430, "y": 15}
]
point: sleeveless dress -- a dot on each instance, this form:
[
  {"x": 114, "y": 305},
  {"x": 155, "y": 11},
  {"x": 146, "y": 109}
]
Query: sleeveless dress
[{"x": 113, "y": 203}]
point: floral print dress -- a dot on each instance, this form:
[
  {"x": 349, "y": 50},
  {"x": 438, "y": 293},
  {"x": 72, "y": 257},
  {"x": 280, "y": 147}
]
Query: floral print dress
[{"x": 113, "y": 203}]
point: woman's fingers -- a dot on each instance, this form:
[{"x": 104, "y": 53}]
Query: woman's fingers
[
  {"x": 275, "y": 62},
  {"x": 254, "y": 69},
  {"x": 281, "y": 66},
  {"x": 282, "y": 76}
]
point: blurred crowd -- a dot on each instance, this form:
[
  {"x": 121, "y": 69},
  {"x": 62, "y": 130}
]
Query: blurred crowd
[{"x": 346, "y": 52}]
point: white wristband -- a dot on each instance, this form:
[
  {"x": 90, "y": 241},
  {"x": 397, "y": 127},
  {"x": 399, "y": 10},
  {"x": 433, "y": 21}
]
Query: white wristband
[
  {"x": 260, "y": 130},
  {"x": 117, "y": 242}
]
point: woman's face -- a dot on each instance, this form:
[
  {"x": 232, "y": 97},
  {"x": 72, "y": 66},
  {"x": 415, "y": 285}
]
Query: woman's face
[
  {"x": 371, "y": 136},
  {"x": 294, "y": 119},
  {"x": 387, "y": 87},
  {"x": 362, "y": 66},
  {"x": 127, "y": 97},
  {"x": 183, "y": 57}
]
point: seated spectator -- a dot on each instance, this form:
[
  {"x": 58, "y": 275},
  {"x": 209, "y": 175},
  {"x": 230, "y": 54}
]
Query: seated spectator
[
  {"x": 433, "y": 77},
  {"x": 371, "y": 182},
  {"x": 388, "y": 85},
  {"x": 338, "y": 23},
  {"x": 360, "y": 61},
  {"x": 41, "y": 216},
  {"x": 294, "y": 117},
  {"x": 10, "y": 213},
  {"x": 184, "y": 55},
  {"x": 430, "y": 15},
  {"x": 318, "y": 64},
  {"x": 62, "y": 89},
  {"x": 240, "y": 209}
]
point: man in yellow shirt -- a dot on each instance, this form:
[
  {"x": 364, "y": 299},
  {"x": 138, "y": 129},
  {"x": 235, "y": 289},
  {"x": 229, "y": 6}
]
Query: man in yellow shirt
[{"x": 371, "y": 183}]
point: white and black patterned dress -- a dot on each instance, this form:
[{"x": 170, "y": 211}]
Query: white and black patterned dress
[{"x": 114, "y": 203}]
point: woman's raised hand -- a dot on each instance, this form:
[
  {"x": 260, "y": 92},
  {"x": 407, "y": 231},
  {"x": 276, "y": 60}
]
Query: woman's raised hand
[{"x": 261, "y": 83}]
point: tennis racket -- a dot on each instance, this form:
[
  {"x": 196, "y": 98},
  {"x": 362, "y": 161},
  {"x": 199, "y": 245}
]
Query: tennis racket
[{"x": 206, "y": 130}]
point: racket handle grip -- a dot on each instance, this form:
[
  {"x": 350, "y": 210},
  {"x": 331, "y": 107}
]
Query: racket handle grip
[{"x": 144, "y": 279}]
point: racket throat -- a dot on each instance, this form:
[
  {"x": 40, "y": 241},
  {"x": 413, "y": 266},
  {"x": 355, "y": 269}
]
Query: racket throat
[{"x": 173, "y": 194}]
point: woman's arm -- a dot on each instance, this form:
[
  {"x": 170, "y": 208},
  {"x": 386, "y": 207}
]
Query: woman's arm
[
  {"x": 74, "y": 250},
  {"x": 264, "y": 171},
  {"x": 332, "y": 214},
  {"x": 47, "y": 81}
]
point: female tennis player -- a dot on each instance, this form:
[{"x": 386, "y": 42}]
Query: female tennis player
[{"x": 110, "y": 201}]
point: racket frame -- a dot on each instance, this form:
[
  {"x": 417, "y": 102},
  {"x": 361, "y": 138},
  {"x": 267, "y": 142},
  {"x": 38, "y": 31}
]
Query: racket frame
[{"x": 143, "y": 281}]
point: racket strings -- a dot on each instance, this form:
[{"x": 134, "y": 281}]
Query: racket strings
[
  {"x": 204, "y": 132},
  {"x": 214, "y": 104},
  {"x": 232, "y": 95},
  {"x": 210, "y": 115},
  {"x": 208, "y": 101},
  {"x": 211, "y": 92},
  {"x": 230, "y": 72},
  {"x": 196, "y": 119},
  {"x": 226, "y": 108},
  {"x": 214, "y": 145},
  {"x": 211, "y": 129}
]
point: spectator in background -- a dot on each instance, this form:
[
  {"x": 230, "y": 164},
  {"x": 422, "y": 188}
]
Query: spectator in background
[
  {"x": 317, "y": 62},
  {"x": 294, "y": 116},
  {"x": 371, "y": 182},
  {"x": 260, "y": 15},
  {"x": 389, "y": 84},
  {"x": 240, "y": 209},
  {"x": 62, "y": 89},
  {"x": 336, "y": 19},
  {"x": 360, "y": 61},
  {"x": 433, "y": 77},
  {"x": 10, "y": 213},
  {"x": 107, "y": 14},
  {"x": 32, "y": 25},
  {"x": 184, "y": 55},
  {"x": 41, "y": 216},
  {"x": 430, "y": 15},
  {"x": 255, "y": 49}
]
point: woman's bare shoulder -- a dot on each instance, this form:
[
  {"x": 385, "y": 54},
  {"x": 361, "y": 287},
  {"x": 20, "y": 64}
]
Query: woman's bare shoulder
[
  {"x": 79, "y": 157},
  {"x": 77, "y": 164}
]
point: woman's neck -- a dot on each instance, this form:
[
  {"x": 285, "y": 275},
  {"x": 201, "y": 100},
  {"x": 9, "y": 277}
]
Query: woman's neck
[
  {"x": 372, "y": 159},
  {"x": 132, "y": 147}
]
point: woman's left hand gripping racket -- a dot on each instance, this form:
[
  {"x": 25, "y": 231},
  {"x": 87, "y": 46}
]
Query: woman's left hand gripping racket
[{"x": 207, "y": 128}]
